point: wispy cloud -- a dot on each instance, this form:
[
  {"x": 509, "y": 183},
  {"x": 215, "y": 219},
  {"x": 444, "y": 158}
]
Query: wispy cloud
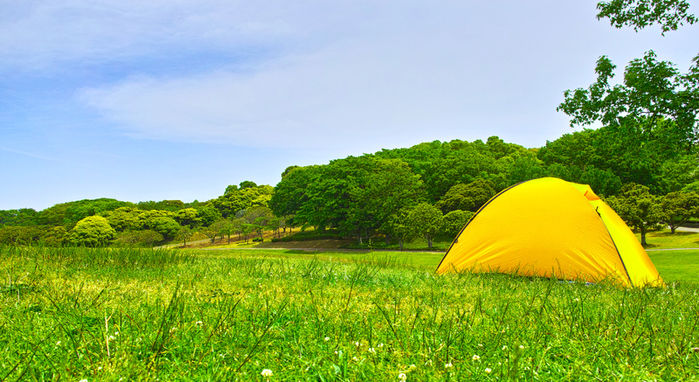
[{"x": 402, "y": 75}]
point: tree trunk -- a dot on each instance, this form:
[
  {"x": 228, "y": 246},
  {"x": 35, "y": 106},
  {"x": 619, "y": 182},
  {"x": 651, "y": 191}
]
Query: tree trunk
[
  {"x": 672, "y": 228},
  {"x": 643, "y": 236},
  {"x": 229, "y": 239},
  {"x": 429, "y": 242},
  {"x": 400, "y": 244},
  {"x": 388, "y": 239}
]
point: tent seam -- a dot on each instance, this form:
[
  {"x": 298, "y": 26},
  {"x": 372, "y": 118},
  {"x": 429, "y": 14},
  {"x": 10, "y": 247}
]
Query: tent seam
[{"x": 615, "y": 247}]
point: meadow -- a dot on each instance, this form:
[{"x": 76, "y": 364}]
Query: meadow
[{"x": 136, "y": 314}]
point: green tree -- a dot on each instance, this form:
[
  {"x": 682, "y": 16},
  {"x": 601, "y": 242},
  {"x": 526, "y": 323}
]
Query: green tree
[
  {"x": 224, "y": 227},
  {"x": 466, "y": 197},
  {"x": 654, "y": 98},
  {"x": 238, "y": 227},
  {"x": 258, "y": 218},
  {"x": 20, "y": 235},
  {"x": 291, "y": 193},
  {"x": 142, "y": 238},
  {"x": 678, "y": 208},
  {"x": 399, "y": 227},
  {"x": 163, "y": 205},
  {"x": 207, "y": 214},
  {"x": 639, "y": 208},
  {"x": 425, "y": 220},
  {"x": 22, "y": 216},
  {"x": 123, "y": 218},
  {"x": 677, "y": 174},
  {"x": 669, "y": 14},
  {"x": 92, "y": 231},
  {"x": 165, "y": 226},
  {"x": 235, "y": 200},
  {"x": 247, "y": 184},
  {"x": 55, "y": 236},
  {"x": 454, "y": 221},
  {"x": 385, "y": 188},
  {"x": 185, "y": 234},
  {"x": 187, "y": 216}
]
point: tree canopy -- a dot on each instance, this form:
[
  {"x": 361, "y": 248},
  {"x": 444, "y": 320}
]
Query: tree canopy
[{"x": 638, "y": 14}]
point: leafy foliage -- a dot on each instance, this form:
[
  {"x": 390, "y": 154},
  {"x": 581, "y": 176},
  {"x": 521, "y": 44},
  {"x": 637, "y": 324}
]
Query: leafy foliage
[
  {"x": 466, "y": 197},
  {"x": 654, "y": 99},
  {"x": 669, "y": 14},
  {"x": 425, "y": 220},
  {"x": 679, "y": 207},
  {"x": 92, "y": 231},
  {"x": 454, "y": 221},
  {"x": 639, "y": 208}
]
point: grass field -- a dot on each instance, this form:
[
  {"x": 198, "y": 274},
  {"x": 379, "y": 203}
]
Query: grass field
[
  {"x": 128, "y": 314},
  {"x": 665, "y": 239}
]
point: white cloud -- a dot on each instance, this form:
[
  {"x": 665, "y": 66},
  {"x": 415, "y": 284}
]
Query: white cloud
[
  {"x": 352, "y": 75},
  {"x": 402, "y": 76}
]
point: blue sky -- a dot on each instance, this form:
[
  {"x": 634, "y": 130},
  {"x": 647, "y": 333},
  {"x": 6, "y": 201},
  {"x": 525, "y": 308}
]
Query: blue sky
[{"x": 169, "y": 99}]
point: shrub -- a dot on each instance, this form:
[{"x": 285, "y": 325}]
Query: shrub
[
  {"x": 144, "y": 238},
  {"x": 92, "y": 231}
]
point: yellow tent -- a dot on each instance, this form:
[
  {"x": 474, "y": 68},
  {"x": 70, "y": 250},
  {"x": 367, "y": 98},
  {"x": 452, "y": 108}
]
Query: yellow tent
[{"x": 552, "y": 228}]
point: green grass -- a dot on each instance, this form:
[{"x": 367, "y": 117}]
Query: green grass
[
  {"x": 228, "y": 314},
  {"x": 665, "y": 239},
  {"x": 681, "y": 265}
]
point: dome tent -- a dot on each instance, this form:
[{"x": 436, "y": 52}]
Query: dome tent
[{"x": 551, "y": 228}]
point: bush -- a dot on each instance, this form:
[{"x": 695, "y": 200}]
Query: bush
[
  {"x": 144, "y": 238},
  {"x": 92, "y": 231},
  {"x": 310, "y": 235},
  {"x": 165, "y": 226}
]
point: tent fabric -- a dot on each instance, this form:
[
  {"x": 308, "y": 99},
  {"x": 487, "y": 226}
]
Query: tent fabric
[{"x": 551, "y": 228}]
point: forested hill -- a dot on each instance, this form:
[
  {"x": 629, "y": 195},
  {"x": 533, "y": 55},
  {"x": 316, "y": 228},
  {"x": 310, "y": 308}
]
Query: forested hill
[{"x": 432, "y": 187}]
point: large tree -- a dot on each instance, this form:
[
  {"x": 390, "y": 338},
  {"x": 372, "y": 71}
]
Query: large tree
[
  {"x": 639, "y": 208},
  {"x": 654, "y": 99},
  {"x": 425, "y": 220},
  {"x": 466, "y": 197},
  {"x": 678, "y": 208}
]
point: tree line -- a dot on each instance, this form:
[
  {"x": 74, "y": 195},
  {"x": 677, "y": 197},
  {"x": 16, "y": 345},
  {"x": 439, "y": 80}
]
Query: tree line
[{"x": 643, "y": 161}]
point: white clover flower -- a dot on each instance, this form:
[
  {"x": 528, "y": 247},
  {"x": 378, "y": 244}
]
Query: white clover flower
[
  {"x": 326, "y": 339},
  {"x": 198, "y": 323},
  {"x": 487, "y": 370},
  {"x": 116, "y": 333},
  {"x": 448, "y": 365},
  {"x": 402, "y": 377},
  {"x": 266, "y": 373},
  {"x": 357, "y": 344},
  {"x": 112, "y": 338},
  {"x": 83, "y": 380},
  {"x": 476, "y": 357},
  {"x": 480, "y": 345},
  {"x": 504, "y": 347},
  {"x": 371, "y": 350},
  {"x": 521, "y": 347},
  {"x": 381, "y": 345},
  {"x": 412, "y": 367},
  {"x": 58, "y": 343},
  {"x": 355, "y": 359}
]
